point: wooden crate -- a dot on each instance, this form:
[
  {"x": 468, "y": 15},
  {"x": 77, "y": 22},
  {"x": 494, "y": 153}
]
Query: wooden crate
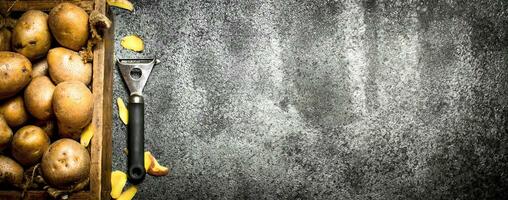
[{"x": 103, "y": 64}]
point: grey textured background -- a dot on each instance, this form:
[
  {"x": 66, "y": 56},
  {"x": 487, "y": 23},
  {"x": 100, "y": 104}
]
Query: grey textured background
[{"x": 323, "y": 99}]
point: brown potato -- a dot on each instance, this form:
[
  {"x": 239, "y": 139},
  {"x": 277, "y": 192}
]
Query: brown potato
[
  {"x": 73, "y": 107},
  {"x": 65, "y": 163},
  {"x": 49, "y": 126},
  {"x": 14, "y": 112},
  {"x": 10, "y": 171},
  {"x": 29, "y": 144},
  {"x": 5, "y": 39},
  {"x": 67, "y": 65},
  {"x": 65, "y": 131},
  {"x": 39, "y": 97},
  {"x": 40, "y": 68},
  {"x": 69, "y": 25},
  {"x": 15, "y": 73},
  {"x": 5, "y": 134},
  {"x": 31, "y": 36}
]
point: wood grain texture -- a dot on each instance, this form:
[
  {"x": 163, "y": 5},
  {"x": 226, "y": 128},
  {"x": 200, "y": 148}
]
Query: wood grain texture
[
  {"x": 37, "y": 195},
  {"x": 44, "y": 5},
  {"x": 100, "y": 170}
]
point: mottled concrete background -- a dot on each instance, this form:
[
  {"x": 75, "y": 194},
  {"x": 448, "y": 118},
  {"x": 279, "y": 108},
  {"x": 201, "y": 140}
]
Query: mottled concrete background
[{"x": 323, "y": 99}]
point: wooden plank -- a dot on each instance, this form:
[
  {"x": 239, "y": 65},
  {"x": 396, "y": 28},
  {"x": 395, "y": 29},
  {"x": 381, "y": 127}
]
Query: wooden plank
[
  {"x": 8, "y": 195},
  {"x": 100, "y": 170},
  {"x": 37, "y": 195},
  {"x": 109, "y": 66},
  {"x": 44, "y": 5}
]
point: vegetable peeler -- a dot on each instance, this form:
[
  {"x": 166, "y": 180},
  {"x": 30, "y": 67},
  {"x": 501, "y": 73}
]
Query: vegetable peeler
[{"x": 135, "y": 73}]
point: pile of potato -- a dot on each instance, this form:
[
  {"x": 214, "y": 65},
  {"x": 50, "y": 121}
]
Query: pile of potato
[{"x": 45, "y": 100}]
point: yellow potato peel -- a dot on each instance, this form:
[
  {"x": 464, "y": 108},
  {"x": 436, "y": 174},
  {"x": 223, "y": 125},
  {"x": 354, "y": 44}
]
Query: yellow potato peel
[
  {"x": 86, "y": 135},
  {"x": 133, "y": 42},
  {"x": 148, "y": 160},
  {"x": 122, "y": 111},
  {"x": 154, "y": 169},
  {"x": 152, "y": 166},
  {"x": 118, "y": 180},
  {"x": 129, "y": 193},
  {"x": 125, "y": 4}
]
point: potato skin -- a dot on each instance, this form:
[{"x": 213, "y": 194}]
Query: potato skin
[
  {"x": 65, "y": 131},
  {"x": 65, "y": 163},
  {"x": 39, "y": 97},
  {"x": 15, "y": 73},
  {"x": 5, "y": 39},
  {"x": 29, "y": 144},
  {"x": 40, "y": 68},
  {"x": 31, "y": 36},
  {"x": 14, "y": 112},
  {"x": 67, "y": 65},
  {"x": 73, "y": 107},
  {"x": 49, "y": 126},
  {"x": 69, "y": 25},
  {"x": 5, "y": 134},
  {"x": 10, "y": 171}
]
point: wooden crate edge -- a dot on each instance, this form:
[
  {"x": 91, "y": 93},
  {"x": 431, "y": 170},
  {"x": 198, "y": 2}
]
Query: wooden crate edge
[{"x": 100, "y": 169}]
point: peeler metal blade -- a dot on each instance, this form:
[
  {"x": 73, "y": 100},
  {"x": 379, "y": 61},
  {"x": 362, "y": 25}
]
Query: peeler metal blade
[{"x": 135, "y": 73}]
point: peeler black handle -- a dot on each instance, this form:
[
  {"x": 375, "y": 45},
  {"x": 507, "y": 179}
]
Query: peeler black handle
[{"x": 136, "y": 140}]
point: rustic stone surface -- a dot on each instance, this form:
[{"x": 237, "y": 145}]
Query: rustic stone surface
[{"x": 322, "y": 99}]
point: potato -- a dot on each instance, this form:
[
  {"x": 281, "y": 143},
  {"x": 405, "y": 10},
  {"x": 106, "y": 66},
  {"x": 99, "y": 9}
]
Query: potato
[
  {"x": 10, "y": 171},
  {"x": 65, "y": 164},
  {"x": 29, "y": 144},
  {"x": 67, "y": 65},
  {"x": 14, "y": 112},
  {"x": 49, "y": 126},
  {"x": 5, "y": 134},
  {"x": 5, "y": 39},
  {"x": 31, "y": 36},
  {"x": 69, "y": 25},
  {"x": 40, "y": 68},
  {"x": 73, "y": 107},
  {"x": 65, "y": 131},
  {"x": 15, "y": 73},
  {"x": 39, "y": 97}
]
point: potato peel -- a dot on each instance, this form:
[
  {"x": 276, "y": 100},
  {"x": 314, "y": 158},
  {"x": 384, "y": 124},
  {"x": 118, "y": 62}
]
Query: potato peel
[
  {"x": 122, "y": 111},
  {"x": 155, "y": 169},
  {"x": 133, "y": 42},
  {"x": 124, "y": 4},
  {"x": 148, "y": 160},
  {"x": 118, "y": 181},
  {"x": 152, "y": 166},
  {"x": 87, "y": 135},
  {"x": 129, "y": 193}
]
